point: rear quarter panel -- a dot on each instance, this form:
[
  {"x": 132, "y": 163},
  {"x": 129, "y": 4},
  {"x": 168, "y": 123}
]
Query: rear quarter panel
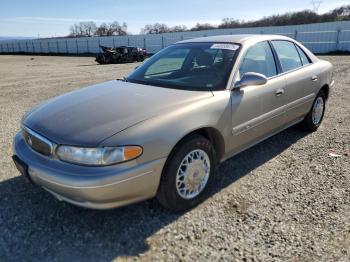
[{"x": 325, "y": 73}]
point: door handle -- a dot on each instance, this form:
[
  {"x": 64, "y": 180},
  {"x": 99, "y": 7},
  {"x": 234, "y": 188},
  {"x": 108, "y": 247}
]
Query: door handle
[
  {"x": 279, "y": 92},
  {"x": 314, "y": 78}
]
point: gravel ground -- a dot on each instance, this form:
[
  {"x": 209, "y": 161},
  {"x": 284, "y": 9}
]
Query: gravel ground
[{"x": 284, "y": 199}]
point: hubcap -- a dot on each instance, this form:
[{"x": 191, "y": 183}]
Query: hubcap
[
  {"x": 317, "y": 111},
  {"x": 193, "y": 174}
]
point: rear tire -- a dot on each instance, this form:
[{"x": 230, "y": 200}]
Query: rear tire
[
  {"x": 314, "y": 118},
  {"x": 188, "y": 174},
  {"x": 140, "y": 58}
]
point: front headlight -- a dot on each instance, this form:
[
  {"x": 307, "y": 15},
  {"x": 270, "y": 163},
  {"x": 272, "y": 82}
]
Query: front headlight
[{"x": 100, "y": 156}]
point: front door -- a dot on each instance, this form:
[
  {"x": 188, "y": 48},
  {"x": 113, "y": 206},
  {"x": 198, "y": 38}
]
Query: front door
[{"x": 257, "y": 111}]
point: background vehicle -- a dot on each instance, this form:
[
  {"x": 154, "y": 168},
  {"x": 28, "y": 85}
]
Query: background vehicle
[{"x": 121, "y": 54}]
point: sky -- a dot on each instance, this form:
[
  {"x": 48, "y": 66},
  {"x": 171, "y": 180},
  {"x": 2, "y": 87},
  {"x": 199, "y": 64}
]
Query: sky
[{"x": 47, "y": 18}]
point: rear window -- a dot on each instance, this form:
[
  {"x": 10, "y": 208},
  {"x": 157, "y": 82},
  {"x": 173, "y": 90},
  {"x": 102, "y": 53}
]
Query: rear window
[{"x": 287, "y": 54}]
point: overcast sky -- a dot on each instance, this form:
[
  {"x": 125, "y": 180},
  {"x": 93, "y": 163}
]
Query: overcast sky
[{"x": 53, "y": 18}]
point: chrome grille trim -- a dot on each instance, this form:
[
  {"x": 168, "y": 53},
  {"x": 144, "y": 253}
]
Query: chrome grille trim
[{"x": 40, "y": 138}]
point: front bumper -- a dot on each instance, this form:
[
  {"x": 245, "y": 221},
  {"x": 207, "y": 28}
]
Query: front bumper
[{"x": 91, "y": 187}]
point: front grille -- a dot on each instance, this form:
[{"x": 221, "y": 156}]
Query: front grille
[{"x": 39, "y": 143}]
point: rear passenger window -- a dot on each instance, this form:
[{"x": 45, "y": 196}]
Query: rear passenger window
[
  {"x": 259, "y": 59},
  {"x": 287, "y": 54},
  {"x": 304, "y": 59}
]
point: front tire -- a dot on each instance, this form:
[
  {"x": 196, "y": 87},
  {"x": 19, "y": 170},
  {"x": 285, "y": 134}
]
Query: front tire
[
  {"x": 314, "y": 118},
  {"x": 188, "y": 174}
]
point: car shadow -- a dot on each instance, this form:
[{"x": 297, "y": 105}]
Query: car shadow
[{"x": 35, "y": 226}]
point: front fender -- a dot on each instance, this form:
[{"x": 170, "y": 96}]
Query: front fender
[{"x": 160, "y": 134}]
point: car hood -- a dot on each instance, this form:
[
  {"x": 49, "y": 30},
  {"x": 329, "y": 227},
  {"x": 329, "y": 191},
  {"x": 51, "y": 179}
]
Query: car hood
[{"x": 87, "y": 116}]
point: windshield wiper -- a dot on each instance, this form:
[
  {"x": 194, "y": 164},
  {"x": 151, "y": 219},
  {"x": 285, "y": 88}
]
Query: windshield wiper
[{"x": 124, "y": 79}]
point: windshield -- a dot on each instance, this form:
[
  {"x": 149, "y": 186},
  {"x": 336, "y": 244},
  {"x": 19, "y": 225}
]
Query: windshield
[{"x": 189, "y": 66}]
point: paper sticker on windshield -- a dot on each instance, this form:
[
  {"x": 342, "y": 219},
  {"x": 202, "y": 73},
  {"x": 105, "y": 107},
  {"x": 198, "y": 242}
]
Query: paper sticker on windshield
[{"x": 225, "y": 46}]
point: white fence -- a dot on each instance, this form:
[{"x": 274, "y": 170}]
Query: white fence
[{"x": 319, "y": 38}]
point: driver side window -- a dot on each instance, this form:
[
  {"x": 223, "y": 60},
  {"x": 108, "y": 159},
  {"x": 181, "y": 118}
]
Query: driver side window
[{"x": 259, "y": 59}]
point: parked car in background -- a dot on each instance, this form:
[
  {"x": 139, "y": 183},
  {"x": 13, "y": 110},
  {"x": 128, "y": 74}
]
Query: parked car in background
[
  {"x": 164, "y": 129},
  {"x": 121, "y": 54}
]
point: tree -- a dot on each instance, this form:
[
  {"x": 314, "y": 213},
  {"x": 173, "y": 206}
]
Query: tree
[
  {"x": 74, "y": 30},
  {"x": 110, "y": 29},
  {"x": 178, "y": 28},
  {"x": 156, "y": 28},
  {"x": 205, "y": 26},
  {"x": 124, "y": 29},
  {"x": 295, "y": 18},
  {"x": 116, "y": 29},
  {"x": 102, "y": 30},
  {"x": 83, "y": 29},
  {"x": 230, "y": 23},
  {"x": 89, "y": 28}
]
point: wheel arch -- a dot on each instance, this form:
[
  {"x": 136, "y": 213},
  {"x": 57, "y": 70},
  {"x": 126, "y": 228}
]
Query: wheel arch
[
  {"x": 213, "y": 135},
  {"x": 325, "y": 90}
]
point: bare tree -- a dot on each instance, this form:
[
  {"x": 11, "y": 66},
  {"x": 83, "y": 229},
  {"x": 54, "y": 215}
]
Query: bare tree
[
  {"x": 303, "y": 17},
  {"x": 116, "y": 29},
  {"x": 102, "y": 30},
  {"x": 178, "y": 28},
  {"x": 156, "y": 28},
  {"x": 74, "y": 30},
  {"x": 83, "y": 29},
  {"x": 113, "y": 28},
  {"x": 295, "y": 18},
  {"x": 205, "y": 26},
  {"x": 89, "y": 28},
  {"x": 230, "y": 23}
]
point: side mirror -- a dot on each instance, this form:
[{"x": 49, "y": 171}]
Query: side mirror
[
  {"x": 136, "y": 67},
  {"x": 251, "y": 79}
]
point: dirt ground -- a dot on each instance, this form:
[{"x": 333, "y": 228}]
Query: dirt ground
[{"x": 287, "y": 198}]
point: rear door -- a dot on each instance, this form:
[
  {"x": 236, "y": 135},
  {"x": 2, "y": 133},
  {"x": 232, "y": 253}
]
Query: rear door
[
  {"x": 301, "y": 78},
  {"x": 257, "y": 111}
]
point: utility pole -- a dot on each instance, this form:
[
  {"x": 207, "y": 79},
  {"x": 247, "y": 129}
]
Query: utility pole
[{"x": 316, "y": 5}]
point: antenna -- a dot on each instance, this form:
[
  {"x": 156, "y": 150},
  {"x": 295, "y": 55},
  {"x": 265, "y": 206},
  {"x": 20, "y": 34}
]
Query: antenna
[{"x": 316, "y": 5}]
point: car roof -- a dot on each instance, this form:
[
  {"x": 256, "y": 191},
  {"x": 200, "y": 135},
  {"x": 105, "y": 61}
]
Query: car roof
[
  {"x": 246, "y": 40},
  {"x": 239, "y": 39}
]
